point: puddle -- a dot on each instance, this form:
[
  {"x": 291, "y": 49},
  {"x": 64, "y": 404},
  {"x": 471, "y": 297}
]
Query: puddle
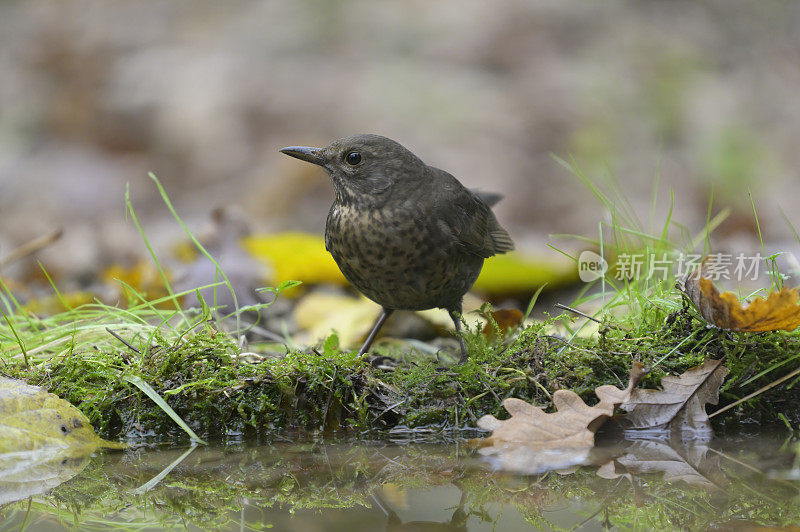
[{"x": 730, "y": 484}]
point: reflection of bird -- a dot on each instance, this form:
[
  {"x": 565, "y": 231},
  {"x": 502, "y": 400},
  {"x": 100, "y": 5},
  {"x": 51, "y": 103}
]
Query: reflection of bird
[
  {"x": 457, "y": 523},
  {"x": 407, "y": 235}
]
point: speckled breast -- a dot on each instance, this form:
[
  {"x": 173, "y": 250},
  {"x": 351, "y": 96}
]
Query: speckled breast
[{"x": 399, "y": 258}]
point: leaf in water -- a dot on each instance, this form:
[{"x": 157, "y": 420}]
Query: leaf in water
[
  {"x": 679, "y": 461},
  {"x": 779, "y": 311},
  {"x": 573, "y": 424},
  {"x": 534, "y": 460},
  {"x": 27, "y": 473},
  {"x": 33, "y": 419},
  {"x": 681, "y": 404}
]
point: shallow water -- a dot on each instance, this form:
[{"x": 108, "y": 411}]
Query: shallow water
[{"x": 730, "y": 484}]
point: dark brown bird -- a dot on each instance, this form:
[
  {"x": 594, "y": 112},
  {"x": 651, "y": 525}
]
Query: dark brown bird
[{"x": 407, "y": 235}]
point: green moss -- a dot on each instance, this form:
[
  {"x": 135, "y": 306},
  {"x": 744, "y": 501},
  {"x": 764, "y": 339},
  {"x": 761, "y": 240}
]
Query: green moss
[{"x": 202, "y": 377}]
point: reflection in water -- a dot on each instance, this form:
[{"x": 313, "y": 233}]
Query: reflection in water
[
  {"x": 27, "y": 473},
  {"x": 644, "y": 485},
  {"x": 456, "y": 523}
]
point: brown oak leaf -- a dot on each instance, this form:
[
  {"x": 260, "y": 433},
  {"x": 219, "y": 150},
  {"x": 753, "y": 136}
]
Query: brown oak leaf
[
  {"x": 779, "y": 311},
  {"x": 680, "y": 404},
  {"x": 573, "y": 424}
]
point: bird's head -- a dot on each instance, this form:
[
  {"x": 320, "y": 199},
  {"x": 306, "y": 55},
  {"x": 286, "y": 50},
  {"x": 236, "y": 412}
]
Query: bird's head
[{"x": 363, "y": 166}]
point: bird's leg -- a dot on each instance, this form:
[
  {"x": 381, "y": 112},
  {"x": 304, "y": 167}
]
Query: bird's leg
[
  {"x": 377, "y": 327},
  {"x": 455, "y": 315}
]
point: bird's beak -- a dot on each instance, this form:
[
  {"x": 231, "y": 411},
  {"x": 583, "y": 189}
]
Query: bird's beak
[{"x": 311, "y": 155}]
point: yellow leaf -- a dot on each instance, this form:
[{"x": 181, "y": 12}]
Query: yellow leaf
[
  {"x": 33, "y": 419},
  {"x": 505, "y": 318},
  {"x": 143, "y": 277},
  {"x": 351, "y": 318},
  {"x": 54, "y": 304},
  {"x": 779, "y": 311},
  {"x": 514, "y": 273},
  {"x": 295, "y": 257}
]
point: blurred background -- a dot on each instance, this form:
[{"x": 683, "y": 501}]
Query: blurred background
[{"x": 694, "y": 95}]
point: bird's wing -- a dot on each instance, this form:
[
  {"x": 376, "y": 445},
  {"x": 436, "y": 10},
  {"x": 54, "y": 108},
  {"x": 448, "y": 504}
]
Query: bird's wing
[
  {"x": 468, "y": 219},
  {"x": 489, "y": 198}
]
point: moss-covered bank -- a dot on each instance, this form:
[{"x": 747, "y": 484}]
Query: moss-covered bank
[{"x": 218, "y": 392}]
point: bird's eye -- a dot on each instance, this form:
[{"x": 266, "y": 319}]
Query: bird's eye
[{"x": 353, "y": 158}]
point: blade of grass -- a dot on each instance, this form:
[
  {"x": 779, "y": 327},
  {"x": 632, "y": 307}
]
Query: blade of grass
[
  {"x": 773, "y": 268},
  {"x": 707, "y": 244},
  {"x": 153, "y": 482},
  {"x": 14, "y": 332},
  {"x": 150, "y": 250},
  {"x": 157, "y": 399},
  {"x": 532, "y": 302},
  {"x": 654, "y": 194},
  {"x": 199, "y": 246}
]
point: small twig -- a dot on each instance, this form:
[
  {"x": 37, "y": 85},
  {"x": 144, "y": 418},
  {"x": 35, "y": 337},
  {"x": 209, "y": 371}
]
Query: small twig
[
  {"x": 31, "y": 247},
  {"x": 469, "y": 410},
  {"x": 752, "y": 468},
  {"x": 497, "y": 398},
  {"x": 565, "y": 342},
  {"x": 269, "y": 335},
  {"x": 660, "y": 360},
  {"x": 757, "y": 392},
  {"x": 541, "y": 387},
  {"x": 121, "y": 339},
  {"x": 392, "y": 407},
  {"x": 579, "y": 313}
]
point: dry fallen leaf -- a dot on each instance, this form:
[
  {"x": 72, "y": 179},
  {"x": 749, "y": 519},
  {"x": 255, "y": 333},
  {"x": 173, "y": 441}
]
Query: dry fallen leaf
[
  {"x": 294, "y": 256},
  {"x": 504, "y": 318},
  {"x": 779, "y": 311},
  {"x": 573, "y": 424},
  {"x": 143, "y": 279},
  {"x": 680, "y": 404},
  {"x": 318, "y": 313},
  {"x": 31, "y": 419}
]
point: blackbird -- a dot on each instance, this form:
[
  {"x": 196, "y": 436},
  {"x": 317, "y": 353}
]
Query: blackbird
[{"x": 407, "y": 235}]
